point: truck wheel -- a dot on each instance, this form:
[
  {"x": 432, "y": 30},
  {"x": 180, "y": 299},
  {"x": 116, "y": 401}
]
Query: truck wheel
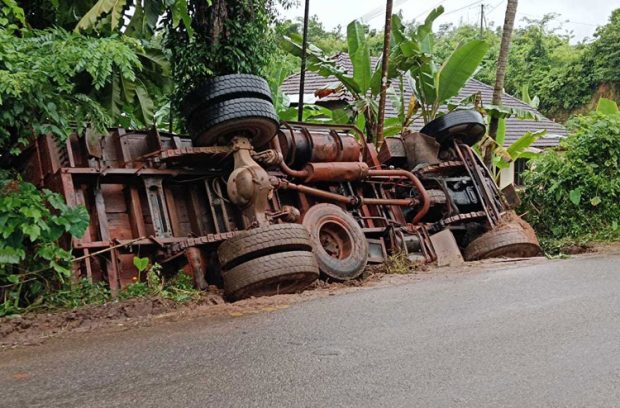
[
  {"x": 219, "y": 122},
  {"x": 467, "y": 126},
  {"x": 509, "y": 241},
  {"x": 285, "y": 272},
  {"x": 225, "y": 87},
  {"x": 340, "y": 245},
  {"x": 258, "y": 242}
]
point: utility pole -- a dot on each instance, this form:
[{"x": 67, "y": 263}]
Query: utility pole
[
  {"x": 302, "y": 75},
  {"x": 482, "y": 21},
  {"x": 387, "y": 35}
]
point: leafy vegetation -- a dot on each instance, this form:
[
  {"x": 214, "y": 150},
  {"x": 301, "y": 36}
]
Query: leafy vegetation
[
  {"x": 31, "y": 260},
  {"x": 179, "y": 289},
  {"x": 573, "y": 193},
  {"x": 411, "y": 59},
  {"x": 224, "y": 37},
  {"x": 433, "y": 84},
  {"x": 566, "y": 77},
  {"x": 49, "y": 82},
  {"x": 363, "y": 84}
]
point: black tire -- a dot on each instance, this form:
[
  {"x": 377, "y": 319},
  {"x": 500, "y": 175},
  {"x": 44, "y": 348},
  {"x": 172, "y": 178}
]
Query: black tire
[
  {"x": 223, "y": 88},
  {"x": 508, "y": 241},
  {"x": 467, "y": 126},
  {"x": 254, "y": 243},
  {"x": 218, "y": 123},
  {"x": 285, "y": 272},
  {"x": 340, "y": 245}
]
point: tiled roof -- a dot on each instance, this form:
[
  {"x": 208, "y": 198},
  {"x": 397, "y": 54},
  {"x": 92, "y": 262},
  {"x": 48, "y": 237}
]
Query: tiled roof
[{"x": 515, "y": 128}]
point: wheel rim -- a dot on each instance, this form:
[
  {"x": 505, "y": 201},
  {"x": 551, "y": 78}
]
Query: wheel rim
[{"x": 335, "y": 240}]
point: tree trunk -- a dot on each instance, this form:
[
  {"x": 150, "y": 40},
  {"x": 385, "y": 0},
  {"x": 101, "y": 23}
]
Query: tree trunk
[
  {"x": 387, "y": 34},
  {"x": 209, "y": 19},
  {"x": 502, "y": 61}
]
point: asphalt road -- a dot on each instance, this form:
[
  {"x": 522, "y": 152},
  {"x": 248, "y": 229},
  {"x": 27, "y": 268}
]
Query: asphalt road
[{"x": 536, "y": 336}]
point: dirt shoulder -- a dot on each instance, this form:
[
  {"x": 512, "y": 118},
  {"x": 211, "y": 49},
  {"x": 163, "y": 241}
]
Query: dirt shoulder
[{"x": 36, "y": 328}]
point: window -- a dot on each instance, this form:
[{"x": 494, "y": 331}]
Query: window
[{"x": 520, "y": 166}]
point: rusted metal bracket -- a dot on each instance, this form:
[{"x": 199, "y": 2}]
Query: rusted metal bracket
[{"x": 157, "y": 205}]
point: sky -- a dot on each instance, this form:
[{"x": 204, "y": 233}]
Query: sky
[{"x": 579, "y": 16}]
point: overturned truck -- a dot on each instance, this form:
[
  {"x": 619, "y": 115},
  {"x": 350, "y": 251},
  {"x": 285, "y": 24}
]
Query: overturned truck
[{"x": 260, "y": 207}]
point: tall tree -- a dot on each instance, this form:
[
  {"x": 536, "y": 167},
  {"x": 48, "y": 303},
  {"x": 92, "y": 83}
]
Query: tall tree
[
  {"x": 224, "y": 37},
  {"x": 502, "y": 61}
]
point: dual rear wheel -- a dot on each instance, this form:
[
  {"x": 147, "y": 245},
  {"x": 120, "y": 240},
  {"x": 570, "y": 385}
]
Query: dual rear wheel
[
  {"x": 267, "y": 261},
  {"x": 287, "y": 258},
  {"x": 230, "y": 105}
]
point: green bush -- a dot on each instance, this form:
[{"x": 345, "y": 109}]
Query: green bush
[
  {"x": 53, "y": 81},
  {"x": 574, "y": 192},
  {"x": 31, "y": 224},
  {"x": 179, "y": 288}
]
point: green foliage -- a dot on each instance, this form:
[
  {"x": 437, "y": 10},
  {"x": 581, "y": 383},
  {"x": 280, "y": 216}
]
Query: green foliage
[
  {"x": 72, "y": 296},
  {"x": 605, "y": 50},
  {"x": 179, "y": 289},
  {"x": 311, "y": 113},
  {"x": 12, "y": 14},
  {"x": 138, "y": 17},
  {"x": 411, "y": 60},
  {"x": 525, "y": 97},
  {"x": 331, "y": 42},
  {"x": 433, "y": 85},
  {"x": 458, "y": 68},
  {"x": 448, "y": 37},
  {"x": 113, "y": 7},
  {"x": 573, "y": 193},
  {"x": 31, "y": 224},
  {"x": 406, "y": 109},
  {"x": 140, "y": 263},
  {"x": 503, "y": 157},
  {"x": 234, "y": 36},
  {"x": 363, "y": 83},
  {"x": 51, "y": 81},
  {"x": 565, "y": 77}
]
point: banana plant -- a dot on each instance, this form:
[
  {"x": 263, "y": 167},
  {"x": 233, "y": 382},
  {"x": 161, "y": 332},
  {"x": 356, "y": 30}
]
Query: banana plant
[
  {"x": 406, "y": 108},
  {"x": 503, "y": 157},
  {"x": 519, "y": 149},
  {"x": 364, "y": 83},
  {"x": 525, "y": 97},
  {"x": 433, "y": 84},
  {"x": 135, "y": 16}
]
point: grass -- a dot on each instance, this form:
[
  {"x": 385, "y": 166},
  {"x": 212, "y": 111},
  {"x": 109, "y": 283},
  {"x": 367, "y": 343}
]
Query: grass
[{"x": 399, "y": 264}]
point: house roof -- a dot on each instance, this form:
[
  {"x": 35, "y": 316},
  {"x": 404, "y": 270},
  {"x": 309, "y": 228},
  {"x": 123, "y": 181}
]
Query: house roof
[{"x": 515, "y": 128}]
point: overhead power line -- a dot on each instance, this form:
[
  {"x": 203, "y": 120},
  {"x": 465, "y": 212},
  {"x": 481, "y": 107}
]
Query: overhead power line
[
  {"x": 379, "y": 11},
  {"x": 425, "y": 12},
  {"x": 495, "y": 6},
  {"x": 470, "y": 5}
]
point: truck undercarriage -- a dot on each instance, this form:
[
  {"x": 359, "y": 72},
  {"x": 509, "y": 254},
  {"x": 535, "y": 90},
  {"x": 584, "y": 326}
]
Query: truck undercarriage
[{"x": 260, "y": 207}]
